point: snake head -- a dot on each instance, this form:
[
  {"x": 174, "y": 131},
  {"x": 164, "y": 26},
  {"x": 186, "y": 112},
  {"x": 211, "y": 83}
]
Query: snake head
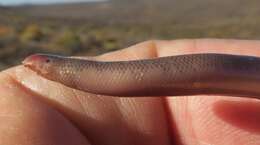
[{"x": 43, "y": 64}]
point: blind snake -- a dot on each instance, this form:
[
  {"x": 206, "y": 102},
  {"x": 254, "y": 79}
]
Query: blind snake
[{"x": 206, "y": 73}]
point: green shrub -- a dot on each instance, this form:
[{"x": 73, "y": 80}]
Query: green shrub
[
  {"x": 69, "y": 41},
  {"x": 31, "y": 33},
  {"x": 110, "y": 44}
]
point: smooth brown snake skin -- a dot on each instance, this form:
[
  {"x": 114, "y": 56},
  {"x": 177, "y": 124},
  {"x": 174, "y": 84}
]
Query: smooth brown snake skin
[{"x": 167, "y": 76}]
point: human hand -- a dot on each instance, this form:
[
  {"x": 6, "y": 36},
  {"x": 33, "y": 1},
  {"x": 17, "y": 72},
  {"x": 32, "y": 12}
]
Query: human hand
[{"x": 36, "y": 111}]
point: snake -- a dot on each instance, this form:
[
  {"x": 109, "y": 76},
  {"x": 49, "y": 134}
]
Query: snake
[{"x": 190, "y": 74}]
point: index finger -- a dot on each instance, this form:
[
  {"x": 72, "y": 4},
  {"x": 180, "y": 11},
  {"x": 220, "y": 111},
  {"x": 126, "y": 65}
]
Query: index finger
[{"x": 161, "y": 48}]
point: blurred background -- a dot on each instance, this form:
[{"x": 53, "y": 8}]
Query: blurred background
[{"x": 91, "y": 27}]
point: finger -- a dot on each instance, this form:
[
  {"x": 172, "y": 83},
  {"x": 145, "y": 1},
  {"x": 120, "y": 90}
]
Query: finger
[
  {"x": 179, "y": 47},
  {"x": 27, "y": 121},
  {"x": 106, "y": 120},
  {"x": 214, "y": 120},
  {"x": 142, "y": 50}
]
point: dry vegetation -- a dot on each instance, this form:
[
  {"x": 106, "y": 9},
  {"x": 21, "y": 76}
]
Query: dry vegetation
[{"x": 94, "y": 28}]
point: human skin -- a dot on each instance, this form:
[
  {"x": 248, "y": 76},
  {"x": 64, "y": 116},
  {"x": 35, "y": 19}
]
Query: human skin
[{"x": 35, "y": 111}]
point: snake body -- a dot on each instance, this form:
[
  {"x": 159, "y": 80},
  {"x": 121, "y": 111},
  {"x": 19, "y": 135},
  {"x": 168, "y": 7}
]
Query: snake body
[{"x": 191, "y": 74}]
